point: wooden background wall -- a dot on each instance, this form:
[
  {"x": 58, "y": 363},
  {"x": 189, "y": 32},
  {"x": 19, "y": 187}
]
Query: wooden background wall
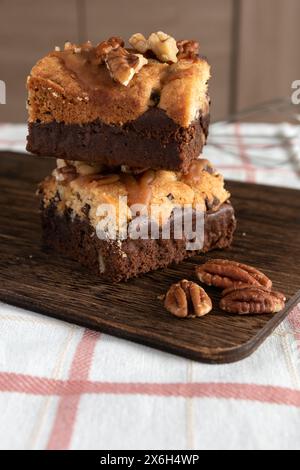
[{"x": 251, "y": 44}]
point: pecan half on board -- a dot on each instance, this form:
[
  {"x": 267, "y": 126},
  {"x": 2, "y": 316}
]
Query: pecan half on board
[
  {"x": 252, "y": 300},
  {"x": 187, "y": 300},
  {"x": 225, "y": 274}
]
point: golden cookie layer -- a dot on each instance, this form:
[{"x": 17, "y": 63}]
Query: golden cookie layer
[
  {"x": 78, "y": 186},
  {"x": 73, "y": 87}
]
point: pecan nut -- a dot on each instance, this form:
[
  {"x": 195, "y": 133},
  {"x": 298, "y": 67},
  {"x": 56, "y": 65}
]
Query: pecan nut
[
  {"x": 252, "y": 300},
  {"x": 187, "y": 299},
  {"x": 188, "y": 49},
  {"x": 123, "y": 65},
  {"x": 225, "y": 274}
]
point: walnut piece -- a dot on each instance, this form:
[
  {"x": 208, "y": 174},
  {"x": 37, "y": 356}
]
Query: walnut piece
[
  {"x": 60, "y": 163},
  {"x": 123, "y": 65},
  {"x": 163, "y": 46},
  {"x": 226, "y": 274},
  {"x": 139, "y": 43},
  {"x": 252, "y": 300},
  {"x": 100, "y": 180},
  {"x": 104, "y": 47},
  {"x": 188, "y": 49},
  {"x": 86, "y": 46},
  {"x": 67, "y": 171},
  {"x": 83, "y": 169},
  {"x": 133, "y": 171},
  {"x": 103, "y": 180},
  {"x": 75, "y": 48},
  {"x": 69, "y": 46},
  {"x": 65, "y": 174},
  {"x": 187, "y": 299}
]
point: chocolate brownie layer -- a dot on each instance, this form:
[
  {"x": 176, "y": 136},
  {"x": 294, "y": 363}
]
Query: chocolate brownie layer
[
  {"x": 119, "y": 261},
  {"x": 151, "y": 141}
]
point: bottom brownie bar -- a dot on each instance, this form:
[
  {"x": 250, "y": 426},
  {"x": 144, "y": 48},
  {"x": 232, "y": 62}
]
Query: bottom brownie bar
[
  {"x": 118, "y": 261},
  {"x": 75, "y": 200}
]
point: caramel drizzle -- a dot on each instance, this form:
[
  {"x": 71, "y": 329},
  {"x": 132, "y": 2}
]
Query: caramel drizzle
[
  {"x": 84, "y": 66},
  {"x": 196, "y": 169},
  {"x": 139, "y": 190},
  {"x": 101, "y": 180}
]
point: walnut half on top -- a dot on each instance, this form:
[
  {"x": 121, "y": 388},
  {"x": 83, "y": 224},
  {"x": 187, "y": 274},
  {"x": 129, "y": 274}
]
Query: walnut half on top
[
  {"x": 122, "y": 65},
  {"x": 161, "y": 44}
]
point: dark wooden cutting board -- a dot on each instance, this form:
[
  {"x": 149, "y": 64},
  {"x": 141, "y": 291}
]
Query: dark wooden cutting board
[{"x": 268, "y": 237}]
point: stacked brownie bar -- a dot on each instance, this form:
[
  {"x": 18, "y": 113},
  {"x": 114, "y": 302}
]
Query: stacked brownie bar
[{"x": 127, "y": 127}]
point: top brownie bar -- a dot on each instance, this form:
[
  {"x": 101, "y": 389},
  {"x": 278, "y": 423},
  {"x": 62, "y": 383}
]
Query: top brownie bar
[{"x": 146, "y": 106}]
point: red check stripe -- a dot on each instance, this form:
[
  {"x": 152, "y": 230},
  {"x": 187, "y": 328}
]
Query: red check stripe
[
  {"x": 61, "y": 434},
  {"x": 19, "y": 383},
  {"x": 294, "y": 320},
  {"x": 249, "y": 168}
]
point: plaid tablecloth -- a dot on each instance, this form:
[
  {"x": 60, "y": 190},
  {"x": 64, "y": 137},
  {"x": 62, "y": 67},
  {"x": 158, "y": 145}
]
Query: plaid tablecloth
[{"x": 65, "y": 387}]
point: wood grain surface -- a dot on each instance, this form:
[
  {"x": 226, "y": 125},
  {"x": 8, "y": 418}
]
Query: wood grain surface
[{"x": 268, "y": 237}]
